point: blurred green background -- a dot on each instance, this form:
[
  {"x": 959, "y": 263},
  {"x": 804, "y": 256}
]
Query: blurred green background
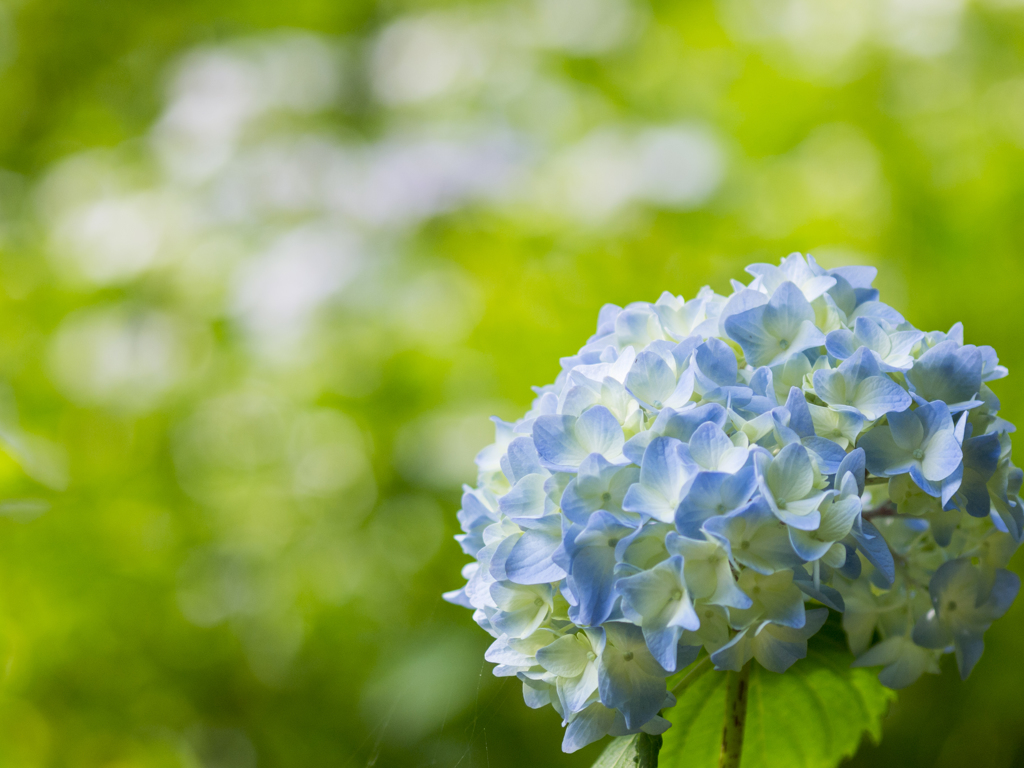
[{"x": 267, "y": 268}]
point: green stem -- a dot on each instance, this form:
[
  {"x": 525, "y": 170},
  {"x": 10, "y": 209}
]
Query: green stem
[
  {"x": 647, "y": 750},
  {"x": 691, "y": 677},
  {"x": 736, "y": 688}
]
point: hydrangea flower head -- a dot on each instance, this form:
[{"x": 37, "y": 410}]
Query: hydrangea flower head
[{"x": 718, "y": 473}]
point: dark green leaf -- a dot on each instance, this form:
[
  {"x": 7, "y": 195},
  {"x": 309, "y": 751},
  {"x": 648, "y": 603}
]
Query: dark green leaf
[{"x": 812, "y": 716}]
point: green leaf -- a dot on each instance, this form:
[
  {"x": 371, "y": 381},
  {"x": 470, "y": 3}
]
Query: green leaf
[
  {"x": 637, "y": 751},
  {"x": 812, "y": 716}
]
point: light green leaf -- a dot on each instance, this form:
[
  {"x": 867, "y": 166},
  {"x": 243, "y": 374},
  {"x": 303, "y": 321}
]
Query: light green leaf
[
  {"x": 637, "y": 751},
  {"x": 812, "y": 716}
]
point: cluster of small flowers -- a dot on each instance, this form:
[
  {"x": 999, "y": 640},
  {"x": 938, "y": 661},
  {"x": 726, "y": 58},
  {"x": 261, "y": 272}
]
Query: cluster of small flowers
[{"x": 702, "y": 469}]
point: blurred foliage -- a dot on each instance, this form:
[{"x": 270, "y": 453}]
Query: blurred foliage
[{"x": 268, "y": 267}]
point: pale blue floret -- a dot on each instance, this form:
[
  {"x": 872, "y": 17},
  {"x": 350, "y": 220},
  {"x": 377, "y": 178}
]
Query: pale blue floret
[
  {"x": 642, "y": 549},
  {"x": 665, "y": 477},
  {"x": 521, "y": 608},
  {"x": 716, "y": 364},
  {"x": 773, "y": 597},
  {"x": 947, "y": 373},
  {"x": 762, "y": 387},
  {"x": 520, "y": 459},
  {"x": 793, "y": 269},
  {"x": 597, "y": 721},
  {"x": 773, "y": 333},
  {"x": 713, "y": 494},
  {"x": 515, "y": 655},
  {"x": 678, "y": 424},
  {"x": 528, "y": 498},
  {"x": 707, "y": 570},
  {"x": 742, "y": 300},
  {"x": 563, "y": 442},
  {"x": 793, "y": 423},
  {"x": 788, "y": 484},
  {"x": 686, "y": 318},
  {"x": 964, "y": 605},
  {"x": 990, "y": 367},
  {"x": 479, "y": 510},
  {"x": 637, "y": 326},
  {"x": 922, "y": 442},
  {"x": 573, "y": 660},
  {"x": 892, "y": 348},
  {"x": 716, "y": 374},
  {"x": 629, "y": 678},
  {"x": 754, "y": 537},
  {"x": 659, "y": 602},
  {"x": 775, "y": 647},
  {"x": 659, "y": 379},
  {"x": 840, "y": 427},
  {"x": 712, "y": 450},
  {"x": 839, "y": 513},
  {"x": 859, "y": 385},
  {"x": 599, "y": 484},
  {"x": 878, "y": 312},
  {"x": 860, "y": 278},
  {"x": 531, "y": 559},
  {"x": 591, "y": 558}
]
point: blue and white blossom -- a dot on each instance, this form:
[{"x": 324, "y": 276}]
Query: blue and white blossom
[{"x": 714, "y": 476}]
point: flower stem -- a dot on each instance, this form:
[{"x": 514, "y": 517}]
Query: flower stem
[
  {"x": 736, "y": 688},
  {"x": 648, "y": 748}
]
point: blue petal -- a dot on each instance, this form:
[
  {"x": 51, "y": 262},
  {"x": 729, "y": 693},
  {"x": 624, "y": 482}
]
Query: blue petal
[
  {"x": 853, "y": 462},
  {"x": 701, "y": 502},
  {"x": 530, "y": 561},
  {"x": 883, "y": 456},
  {"x": 947, "y": 372},
  {"x": 747, "y": 330},
  {"x": 871, "y": 543},
  {"x": 799, "y": 414},
  {"x": 556, "y": 442},
  {"x": 682, "y": 424},
  {"x": 650, "y": 380},
  {"x": 787, "y": 311},
  {"x": 522, "y": 459},
  {"x": 717, "y": 361},
  {"x": 857, "y": 277},
  {"x": 840, "y": 344},
  {"x": 627, "y": 684}
]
